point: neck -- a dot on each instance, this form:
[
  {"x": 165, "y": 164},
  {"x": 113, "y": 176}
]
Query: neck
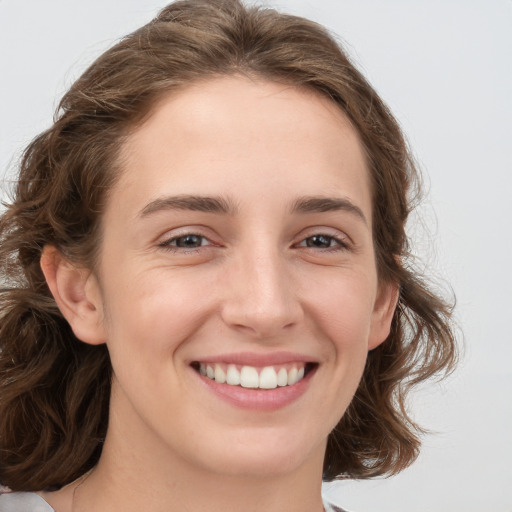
[
  {"x": 137, "y": 472},
  {"x": 105, "y": 490}
]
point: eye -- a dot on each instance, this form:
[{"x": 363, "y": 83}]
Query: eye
[
  {"x": 188, "y": 241},
  {"x": 321, "y": 241}
]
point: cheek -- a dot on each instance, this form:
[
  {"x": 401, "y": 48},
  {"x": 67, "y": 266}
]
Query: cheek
[
  {"x": 342, "y": 331},
  {"x": 343, "y": 309},
  {"x": 151, "y": 316}
]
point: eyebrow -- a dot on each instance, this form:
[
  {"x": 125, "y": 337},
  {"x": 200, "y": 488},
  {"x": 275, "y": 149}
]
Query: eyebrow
[
  {"x": 318, "y": 204},
  {"x": 226, "y": 206},
  {"x": 190, "y": 202}
]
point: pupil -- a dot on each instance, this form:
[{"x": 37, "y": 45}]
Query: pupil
[
  {"x": 319, "y": 241},
  {"x": 189, "y": 241}
]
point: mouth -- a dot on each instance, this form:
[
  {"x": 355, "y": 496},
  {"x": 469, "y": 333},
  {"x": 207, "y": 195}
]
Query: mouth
[{"x": 255, "y": 377}]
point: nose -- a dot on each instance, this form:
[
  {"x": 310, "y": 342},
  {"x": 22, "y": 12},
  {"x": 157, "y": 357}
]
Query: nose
[{"x": 261, "y": 297}]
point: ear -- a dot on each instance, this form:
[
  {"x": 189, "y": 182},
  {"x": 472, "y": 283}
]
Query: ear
[
  {"x": 78, "y": 295},
  {"x": 382, "y": 316}
]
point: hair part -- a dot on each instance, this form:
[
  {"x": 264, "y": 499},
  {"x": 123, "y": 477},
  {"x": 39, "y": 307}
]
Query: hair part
[{"x": 54, "y": 389}]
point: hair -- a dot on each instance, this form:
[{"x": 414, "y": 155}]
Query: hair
[{"x": 54, "y": 389}]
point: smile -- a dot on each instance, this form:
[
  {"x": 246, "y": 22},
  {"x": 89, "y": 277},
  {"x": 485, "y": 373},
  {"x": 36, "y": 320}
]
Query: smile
[
  {"x": 252, "y": 377},
  {"x": 259, "y": 382}
]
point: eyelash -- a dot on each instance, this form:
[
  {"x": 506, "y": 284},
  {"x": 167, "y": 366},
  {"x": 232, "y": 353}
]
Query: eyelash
[
  {"x": 341, "y": 245},
  {"x": 171, "y": 243}
]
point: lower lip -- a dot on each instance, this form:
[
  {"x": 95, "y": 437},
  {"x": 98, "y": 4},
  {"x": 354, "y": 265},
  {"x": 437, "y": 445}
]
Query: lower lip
[{"x": 258, "y": 399}]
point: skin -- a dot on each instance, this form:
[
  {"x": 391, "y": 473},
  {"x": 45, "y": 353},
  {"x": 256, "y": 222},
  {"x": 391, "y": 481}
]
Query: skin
[{"x": 258, "y": 283}]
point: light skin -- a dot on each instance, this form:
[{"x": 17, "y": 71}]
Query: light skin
[{"x": 241, "y": 227}]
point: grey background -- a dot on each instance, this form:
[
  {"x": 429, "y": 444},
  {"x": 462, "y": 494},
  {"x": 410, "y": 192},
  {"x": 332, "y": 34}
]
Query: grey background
[{"x": 444, "y": 67}]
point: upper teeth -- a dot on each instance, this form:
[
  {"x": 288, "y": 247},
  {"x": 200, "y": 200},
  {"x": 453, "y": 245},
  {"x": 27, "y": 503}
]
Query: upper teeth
[{"x": 249, "y": 377}]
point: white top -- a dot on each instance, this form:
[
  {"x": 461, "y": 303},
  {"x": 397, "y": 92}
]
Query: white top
[
  {"x": 23, "y": 502},
  {"x": 32, "y": 502}
]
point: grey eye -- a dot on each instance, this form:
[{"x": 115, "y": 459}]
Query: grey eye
[
  {"x": 188, "y": 241},
  {"x": 320, "y": 241}
]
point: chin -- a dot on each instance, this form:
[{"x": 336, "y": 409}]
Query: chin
[{"x": 259, "y": 459}]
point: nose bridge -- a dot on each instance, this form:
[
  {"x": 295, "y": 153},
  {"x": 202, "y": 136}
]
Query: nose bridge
[{"x": 261, "y": 295}]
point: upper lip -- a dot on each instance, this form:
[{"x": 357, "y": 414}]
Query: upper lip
[{"x": 257, "y": 359}]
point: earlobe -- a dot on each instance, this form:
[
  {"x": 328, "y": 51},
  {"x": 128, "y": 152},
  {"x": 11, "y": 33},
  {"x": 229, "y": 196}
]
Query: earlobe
[
  {"x": 384, "y": 310},
  {"x": 77, "y": 293}
]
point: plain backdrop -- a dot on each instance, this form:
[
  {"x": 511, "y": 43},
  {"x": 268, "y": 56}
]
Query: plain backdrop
[{"x": 444, "y": 68}]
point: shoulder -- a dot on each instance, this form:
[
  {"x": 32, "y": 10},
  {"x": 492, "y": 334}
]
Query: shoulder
[{"x": 23, "y": 502}]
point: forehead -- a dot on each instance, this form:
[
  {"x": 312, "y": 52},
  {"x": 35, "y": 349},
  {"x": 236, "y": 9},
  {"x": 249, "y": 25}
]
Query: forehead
[{"x": 225, "y": 131}]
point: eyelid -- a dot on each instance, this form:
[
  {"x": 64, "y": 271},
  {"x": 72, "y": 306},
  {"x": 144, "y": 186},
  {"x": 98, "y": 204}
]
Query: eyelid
[
  {"x": 339, "y": 236},
  {"x": 339, "y": 245},
  {"x": 164, "y": 240},
  {"x": 343, "y": 241},
  {"x": 168, "y": 242}
]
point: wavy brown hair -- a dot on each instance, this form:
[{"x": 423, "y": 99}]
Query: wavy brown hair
[{"x": 54, "y": 389}]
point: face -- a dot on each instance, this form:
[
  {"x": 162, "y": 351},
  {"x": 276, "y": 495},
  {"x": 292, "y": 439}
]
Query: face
[{"x": 237, "y": 277}]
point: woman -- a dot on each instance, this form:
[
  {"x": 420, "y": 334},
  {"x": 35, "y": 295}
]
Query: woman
[{"x": 208, "y": 301}]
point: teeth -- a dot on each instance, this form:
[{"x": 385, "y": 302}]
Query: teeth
[
  {"x": 292, "y": 376},
  {"x": 233, "y": 375},
  {"x": 248, "y": 376},
  {"x": 268, "y": 378},
  {"x": 282, "y": 377},
  {"x": 219, "y": 374}
]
